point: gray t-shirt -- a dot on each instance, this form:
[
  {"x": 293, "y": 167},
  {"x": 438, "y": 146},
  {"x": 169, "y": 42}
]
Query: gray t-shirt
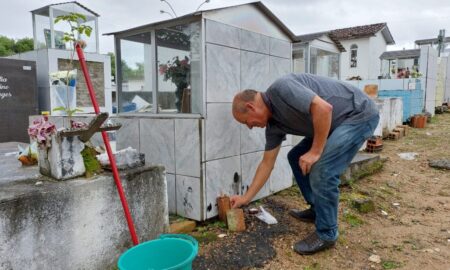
[{"x": 289, "y": 98}]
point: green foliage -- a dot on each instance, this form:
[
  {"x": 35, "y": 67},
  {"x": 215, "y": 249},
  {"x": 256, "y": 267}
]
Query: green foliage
[
  {"x": 178, "y": 71},
  {"x": 69, "y": 112},
  {"x": 129, "y": 73},
  {"x": 24, "y": 45},
  {"x": 9, "y": 46},
  {"x": 77, "y": 29}
]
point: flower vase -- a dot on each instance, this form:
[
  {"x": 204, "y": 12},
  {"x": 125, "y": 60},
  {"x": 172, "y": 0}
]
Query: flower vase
[
  {"x": 179, "y": 96},
  {"x": 43, "y": 162}
]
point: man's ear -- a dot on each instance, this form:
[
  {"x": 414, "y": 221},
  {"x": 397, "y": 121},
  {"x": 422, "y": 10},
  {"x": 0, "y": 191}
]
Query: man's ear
[{"x": 250, "y": 106}]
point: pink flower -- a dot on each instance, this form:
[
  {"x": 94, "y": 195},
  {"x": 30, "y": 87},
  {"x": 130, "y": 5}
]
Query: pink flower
[
  {"x": 41, "y": 131},
  {"x": 76, "y": 124}
]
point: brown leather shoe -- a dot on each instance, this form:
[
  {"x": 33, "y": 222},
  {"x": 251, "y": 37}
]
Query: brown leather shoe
[{"x": 307, "y": 215}]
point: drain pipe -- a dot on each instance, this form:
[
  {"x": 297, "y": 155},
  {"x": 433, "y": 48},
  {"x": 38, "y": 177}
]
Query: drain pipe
[{"x": 108, "y": 147}]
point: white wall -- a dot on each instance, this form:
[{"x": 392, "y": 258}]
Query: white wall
[
  {"x": 440, "y": 80},
  {"x": 377, "y": 47},
  {"x": 247, "y": 17},
  {"x": 324, "y": 43},
  {"x": 428, "y": 67},
  {"x": 447, "y": 82},
  {"x": 369, "y": 51},
  {"x": 362, "y": 68}
]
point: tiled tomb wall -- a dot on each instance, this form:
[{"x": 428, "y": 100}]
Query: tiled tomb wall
[{"x": 238, "y": 59}]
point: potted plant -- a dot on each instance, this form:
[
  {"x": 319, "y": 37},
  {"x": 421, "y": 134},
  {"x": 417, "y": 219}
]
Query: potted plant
[
  {"x": 77, "y": 29},
  {"x": 178, "y": 71}
]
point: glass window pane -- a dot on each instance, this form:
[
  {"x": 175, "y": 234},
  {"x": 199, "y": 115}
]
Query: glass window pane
[
  {"x": 136, "y": 74},
  {"x": 353, "y": 56},
  {"x": 299, "y": 61},
  {"x": 42, "y": 31},
  {"x": 91, "y": 41},
  {"x": 324, "y": 63},
  {"x": 179, "y": 64}
]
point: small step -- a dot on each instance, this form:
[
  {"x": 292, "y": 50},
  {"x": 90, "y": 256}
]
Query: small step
[{"x": 362, "y": 164}]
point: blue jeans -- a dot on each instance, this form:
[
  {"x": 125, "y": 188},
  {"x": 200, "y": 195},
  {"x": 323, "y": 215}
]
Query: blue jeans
[{"x": 320, "y": 187}]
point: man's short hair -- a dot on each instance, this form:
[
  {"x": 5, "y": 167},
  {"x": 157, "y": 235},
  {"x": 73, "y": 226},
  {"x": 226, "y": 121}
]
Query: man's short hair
[{"x": 243, "y": 97}]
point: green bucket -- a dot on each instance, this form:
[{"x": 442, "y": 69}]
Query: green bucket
[{"x": 169, "y": 252}]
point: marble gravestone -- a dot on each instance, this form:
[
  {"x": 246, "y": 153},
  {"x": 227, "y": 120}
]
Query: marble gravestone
[{"x": 18, "y": 98}]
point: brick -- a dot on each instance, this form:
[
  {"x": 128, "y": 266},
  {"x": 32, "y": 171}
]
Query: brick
[
  {"x": 375, "y": 141},
  {"x": 374, "y": 148},
  {"x": 236, "y": 220},
  {"x": 405, "y": 128},
  {"x": 394, "y": 136},
  {"x": 185, "y": 226},
  {"x": 96, "y": 70},
  {"x": 223, "y": 205},
  {"x": 401, "y": 131}
]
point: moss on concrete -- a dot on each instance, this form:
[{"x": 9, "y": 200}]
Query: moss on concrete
[
  {"x": 367, "y": 170},
  {"x": 90, "y": 161}
]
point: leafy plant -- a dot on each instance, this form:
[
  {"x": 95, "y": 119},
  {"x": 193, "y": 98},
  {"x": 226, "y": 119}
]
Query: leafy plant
[
  {"x": 177, "y": 71},
  {"x": 68, "y": 111},
  {"x": 77, "y": 29}
]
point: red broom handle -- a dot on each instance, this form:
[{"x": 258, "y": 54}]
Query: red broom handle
[{"x": 112, "y": 161}]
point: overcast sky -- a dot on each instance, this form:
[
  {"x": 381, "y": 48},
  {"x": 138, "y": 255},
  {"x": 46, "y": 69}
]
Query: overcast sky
[{"x": 408, "y": 20}]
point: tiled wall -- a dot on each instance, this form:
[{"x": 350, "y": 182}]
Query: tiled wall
[{"x": 238, "y": 59}]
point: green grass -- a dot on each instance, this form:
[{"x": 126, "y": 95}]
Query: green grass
[
  {"x": 433, "y": 120},
  {"x": 205, "y": 237},
  {"x": 314, "y": 266},
  {"x": 218, "y": 224},
  {"x": 353, "y": 220},
  {"x": 390, "y": 264}
]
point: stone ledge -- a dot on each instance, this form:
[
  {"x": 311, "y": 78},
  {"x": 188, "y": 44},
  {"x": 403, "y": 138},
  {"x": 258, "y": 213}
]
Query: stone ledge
[
  {"x": 78, "y": 223},
  {"x": 360, "y": 166}
]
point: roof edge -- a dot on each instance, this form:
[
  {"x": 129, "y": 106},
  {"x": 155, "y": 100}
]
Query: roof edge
[
  {"x": 69, "y": 2},
  {"x": 266, "y": 11}
]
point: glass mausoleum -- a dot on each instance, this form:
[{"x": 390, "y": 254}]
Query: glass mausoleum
[{"x": 175, "y": 83}]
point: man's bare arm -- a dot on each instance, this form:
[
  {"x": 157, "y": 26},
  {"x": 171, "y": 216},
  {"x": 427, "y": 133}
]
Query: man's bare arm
[{"x": 263, "y": 172}]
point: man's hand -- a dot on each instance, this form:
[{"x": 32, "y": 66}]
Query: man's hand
[
  {"x": 237, "y": 201},
  {"x": 307, "y": 161}
]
